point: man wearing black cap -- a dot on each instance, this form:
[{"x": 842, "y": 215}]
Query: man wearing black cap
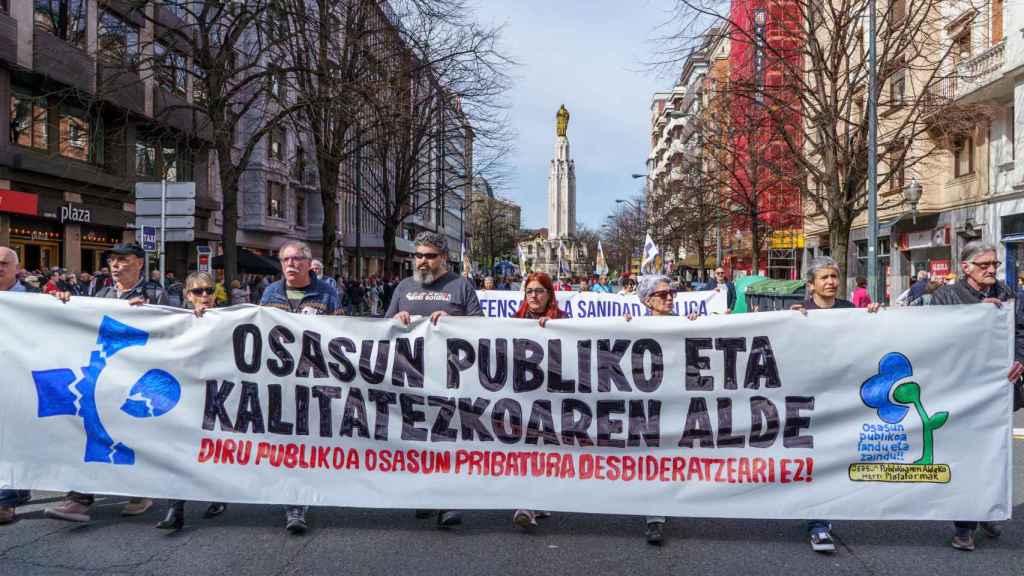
[{"x": 126, "y": 262}]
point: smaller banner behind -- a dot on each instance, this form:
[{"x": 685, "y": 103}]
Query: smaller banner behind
[{"x": 504, "y": 303}]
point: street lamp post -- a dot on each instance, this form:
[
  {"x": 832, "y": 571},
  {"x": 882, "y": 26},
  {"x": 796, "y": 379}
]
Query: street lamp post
[{"x": 872, "y": 157}]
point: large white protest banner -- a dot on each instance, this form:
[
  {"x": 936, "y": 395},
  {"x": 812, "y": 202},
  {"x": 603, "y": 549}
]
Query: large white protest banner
[
  {"x": 772, "y": 415},
  {"x": 504, "y": 303}
]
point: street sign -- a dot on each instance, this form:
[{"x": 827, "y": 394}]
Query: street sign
[
  {"x": 187, "y": 222},
  {"x": 181, "y": 235},
  {"x": 149, "y": 238},
  {"x": 175, "y": 190},
  {"x": 175, "y": 207},
  {"x": 203, "y": 258}
]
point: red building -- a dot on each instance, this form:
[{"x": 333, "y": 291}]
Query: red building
[{"x": 763, "y": 190}]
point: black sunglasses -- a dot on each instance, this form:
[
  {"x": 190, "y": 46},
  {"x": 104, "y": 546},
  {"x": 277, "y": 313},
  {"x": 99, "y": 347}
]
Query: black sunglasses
[
  {"x": 425, "y": 256},
  {"x": 202, "y": 291}
]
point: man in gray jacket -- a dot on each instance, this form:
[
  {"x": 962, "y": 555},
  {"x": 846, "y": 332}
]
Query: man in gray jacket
[{"x": 978, "y": 261}]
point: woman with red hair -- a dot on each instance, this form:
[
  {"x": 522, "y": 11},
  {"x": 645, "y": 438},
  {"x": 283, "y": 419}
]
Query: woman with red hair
[{"x": 539, "y": 301}]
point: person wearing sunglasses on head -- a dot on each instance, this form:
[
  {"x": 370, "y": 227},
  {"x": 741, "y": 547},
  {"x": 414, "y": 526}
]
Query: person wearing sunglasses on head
[
  {"x": 980, "y": 285},
  {"x": 657, "y": 295},
  {"x": 434, "y": 291},
  {"x": 199, "y": 296}
]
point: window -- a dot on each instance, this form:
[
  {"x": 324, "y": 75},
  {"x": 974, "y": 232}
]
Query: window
[
  {"x": 1011, "y": 133},
  {"x": 300, "y": 208},
  {"x": 4, "y": 7},
  {"x": 898, "y": 84},
  {"x": 169, "y": 161},
  {"x": 300, "y": 164},
  {"x": 899, "y": 11},
  {"x": 276, "y": 143},
  {"x": 897, "y": 175},
  {"x": 118, "y": 40},
  {"x": 75, "y": 138},
  {"x": 997, "y": 21},
  {"x": 963, "y": 156},
  {"x": 28, "y": 120},
  {"x": 962, "y": 46},
  {"x": 62, "y": 18},
  {"x": 198, "y": 85},
  {"x": 277, "y": 83},
  {"x": 275, "y": 200},
  {"x": 170, "y": 68},
  {"x": 145, "y": 156}
]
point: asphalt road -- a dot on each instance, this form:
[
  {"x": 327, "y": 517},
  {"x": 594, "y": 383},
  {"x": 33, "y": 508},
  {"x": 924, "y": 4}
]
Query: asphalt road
[{"x": 251, "y": 540}]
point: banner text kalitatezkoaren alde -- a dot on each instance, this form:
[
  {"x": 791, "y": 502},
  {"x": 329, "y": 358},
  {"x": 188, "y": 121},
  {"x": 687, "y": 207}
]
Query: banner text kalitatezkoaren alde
[{"x": 772, "y": 415}]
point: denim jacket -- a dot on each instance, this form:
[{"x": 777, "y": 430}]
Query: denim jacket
[{"x": 320, "y": 298}]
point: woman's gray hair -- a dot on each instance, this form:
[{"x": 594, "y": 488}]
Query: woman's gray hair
[
  {"x": 975, "y": 247},
  {"x": 198, "y": 278},
  {"x": 819, "y": 263},
  {"x": 432, "y": 239},
  {"x": 648, "y": 285}
]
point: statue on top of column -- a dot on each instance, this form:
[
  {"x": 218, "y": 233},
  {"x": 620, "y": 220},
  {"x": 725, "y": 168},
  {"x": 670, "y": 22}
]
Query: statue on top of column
[{"x": 561, "y": 121}]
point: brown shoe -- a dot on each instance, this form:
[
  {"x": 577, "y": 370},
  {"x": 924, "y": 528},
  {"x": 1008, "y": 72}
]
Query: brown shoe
[
  {"x": 963, "y": 539},
  {"x": 69, "y": 510},
  {"x": 136, "y": 507},
  {"x": 6, "y": 514}
]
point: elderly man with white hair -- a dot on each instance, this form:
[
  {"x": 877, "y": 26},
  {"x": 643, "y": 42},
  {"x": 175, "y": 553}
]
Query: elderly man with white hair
[{"x": 9, "y": 499}]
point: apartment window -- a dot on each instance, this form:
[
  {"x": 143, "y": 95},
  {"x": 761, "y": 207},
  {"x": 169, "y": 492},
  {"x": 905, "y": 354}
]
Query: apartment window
[
  {"x": 62, "y": 18},
  {"x": 198, "y": 85},
  {"x": 276, "y": 143},
  {"x": 169, "y": 161},
  {"x": 28, "y": 120},
  {"x": 899, "y": 11},
  {"x": 1011, "y": 132},
  {"x": 275, "y": 200},
  {"x": 170, "y": 68},
  {"x": 300, "y": 208},
  {"x": 75, "y": 138},
  {"x": 4, "y": 7},
  {"x": 897, "y": 175},
  {"x": 962, "y": 46},
  {"x": 118, "y": 40},
  {"x": 997, "y": 21},
  {"x": 277, "y": 83},
  {"x": 300, "y": 164},
  {"x": 145, "y": 156},
  {"x": 898, "y": 84},
  {"x": 963, "y": 156}
]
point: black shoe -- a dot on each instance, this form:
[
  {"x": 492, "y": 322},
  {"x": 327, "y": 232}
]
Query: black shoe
[
  {"x": 424, "y": 514},
  {"x": 448, "y": 518},
  {"x": 991, "y": 529},
  {"x": 175, "y": 519},
  {"x": 215, "y": 509},
  {"x": 963, "y": 539},
  {"x": 295, "y": 520},
  {"x": 654, "y": 533}
]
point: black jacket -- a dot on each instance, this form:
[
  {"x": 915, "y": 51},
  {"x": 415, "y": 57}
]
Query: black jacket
[{"x": 963, "y": 293}]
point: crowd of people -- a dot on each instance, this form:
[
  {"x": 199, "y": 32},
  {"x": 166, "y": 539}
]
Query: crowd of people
[{"x": 434, "y": 291}]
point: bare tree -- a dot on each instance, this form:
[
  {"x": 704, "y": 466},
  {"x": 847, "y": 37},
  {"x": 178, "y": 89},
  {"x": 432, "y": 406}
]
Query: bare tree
[
  {"x": 494, "y": 229},
  {"x": 804, "y": 69},
  {"x": 216, "y": 64},
  {"x": 686, "y": 210},
  {"x": 434, "y": 112}
]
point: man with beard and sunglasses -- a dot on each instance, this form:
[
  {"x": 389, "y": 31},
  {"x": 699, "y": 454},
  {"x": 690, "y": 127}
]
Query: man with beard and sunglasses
[
  {"x": 434, "y": 291},
  {"x": 301, "y": 292}
]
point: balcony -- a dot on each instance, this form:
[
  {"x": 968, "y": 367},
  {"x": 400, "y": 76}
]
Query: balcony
[{"x": 979, "y": 71}]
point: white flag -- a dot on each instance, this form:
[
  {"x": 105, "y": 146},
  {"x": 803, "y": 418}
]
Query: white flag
[
  {"x": 522, "y": 259},
  {"x": 650, "y": 252},
  {"x": 600, "y": 264},
  {"x": 467, "y": 268},
  {"x": 563, "y": 266}
]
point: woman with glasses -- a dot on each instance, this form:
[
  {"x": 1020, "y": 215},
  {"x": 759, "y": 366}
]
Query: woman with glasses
[
  {"x": 656, "y": 293},
  {"x": 200, "y": 293},
  {"x": 628, "y": 286},
  {"x": 539, "y": 303}
]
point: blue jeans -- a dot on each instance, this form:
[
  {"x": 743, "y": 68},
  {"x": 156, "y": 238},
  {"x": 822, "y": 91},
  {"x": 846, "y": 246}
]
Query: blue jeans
[{"x": 11, "y": 498}]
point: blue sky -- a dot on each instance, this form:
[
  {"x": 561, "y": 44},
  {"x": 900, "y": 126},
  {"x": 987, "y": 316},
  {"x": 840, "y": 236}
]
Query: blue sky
[{"x": 589, "y": 55}]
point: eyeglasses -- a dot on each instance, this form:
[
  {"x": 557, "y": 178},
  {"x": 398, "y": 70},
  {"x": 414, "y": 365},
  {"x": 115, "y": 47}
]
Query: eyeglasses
[
  {"x": 994, "y": 264},
  {"x": 663, "y": 294},
  {"x": 202, "y": 291},
  {"x": 287, "y": 259},
  {"x": 536, "y": 291},
  {"x": 426, "y": 255}
]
